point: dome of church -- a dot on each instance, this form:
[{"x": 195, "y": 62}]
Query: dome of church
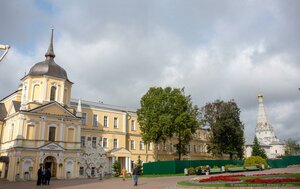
[{"x": 48, "y": 67}]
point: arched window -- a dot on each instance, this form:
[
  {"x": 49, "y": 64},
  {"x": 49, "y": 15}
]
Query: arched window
[
  {"x": 53, "y": 93},
  {"x": 36, "y": 92},
  {"x": 52, "y": 134}
]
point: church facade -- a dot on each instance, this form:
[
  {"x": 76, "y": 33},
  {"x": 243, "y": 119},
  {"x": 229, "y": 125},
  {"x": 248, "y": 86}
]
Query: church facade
[
  {"x": 41, "y": 126},
  {"x": 265, "y": 134}
]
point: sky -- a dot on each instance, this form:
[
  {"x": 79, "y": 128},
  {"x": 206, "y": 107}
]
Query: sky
[{"x": 114, "y": 51}]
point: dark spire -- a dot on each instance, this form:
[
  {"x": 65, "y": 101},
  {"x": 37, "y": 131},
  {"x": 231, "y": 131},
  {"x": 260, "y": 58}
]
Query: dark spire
[{"x": 50, "y": 53}]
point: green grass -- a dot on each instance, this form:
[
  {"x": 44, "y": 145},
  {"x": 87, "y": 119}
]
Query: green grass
[{"x": 225, "y": 184}]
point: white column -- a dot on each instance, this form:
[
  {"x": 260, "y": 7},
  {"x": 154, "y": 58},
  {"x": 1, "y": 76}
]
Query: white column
[
  {"x": 42, "y": 130},
  {"x": 62, "y": 93},
  {"x": 129, "y": 161},
  {"x": 61, "y": 134},
  {"x": 126, "y": 163},
  {"x": 20, "y": 129},
  {"x": 79, "y": 136},
  {"x": 124, "y": 122},
  {"x": 24, "y": 96},
  {"x": 45, "y": 89}
]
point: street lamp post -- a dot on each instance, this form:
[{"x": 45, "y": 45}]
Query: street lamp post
[{"x": 5, "y": 49}]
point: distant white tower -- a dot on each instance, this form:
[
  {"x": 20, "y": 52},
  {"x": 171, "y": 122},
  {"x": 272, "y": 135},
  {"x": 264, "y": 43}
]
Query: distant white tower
[
  {"x": 265, "y": 134},
  {"x": 264, "y": 130}
]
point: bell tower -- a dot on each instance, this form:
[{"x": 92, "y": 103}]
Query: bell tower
[
  {"x": 264, "y": 130},
  {"x": 46, "y": 82}
]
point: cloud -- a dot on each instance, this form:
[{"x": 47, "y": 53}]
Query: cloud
[{"x": 113, "y": 52}]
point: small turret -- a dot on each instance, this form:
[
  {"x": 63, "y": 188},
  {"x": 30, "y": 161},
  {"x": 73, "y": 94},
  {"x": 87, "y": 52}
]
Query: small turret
[{"x": 78, "y": 111}]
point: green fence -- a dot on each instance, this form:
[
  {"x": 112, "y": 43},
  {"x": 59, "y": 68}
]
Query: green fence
[
  {"x": 177, "y": 166},
  {"x": 284, "y": 162}
]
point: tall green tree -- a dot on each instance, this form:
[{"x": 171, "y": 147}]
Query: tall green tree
[
  {"x": 165, "y": 113},
  {"x": 227, "y": 129},
  {"x": 257, "y": 150}
]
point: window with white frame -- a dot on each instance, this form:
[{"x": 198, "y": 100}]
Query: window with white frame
[
  {"x": 52, "y": 134},
  {"x": 82, "y": 141},
  {"x": 115, "y": 122},
  {"x": 105, "y": 121},
  {"x": 81, "y": 171},
  {"x": 132, "y": 144},
  {"x": 36, "y": 92},
  {"x": 150, "y": 146},
  {"x": 171, "y": 147},
  {"x": 200, "y": 148},
  {"x": 132, "y": 125},
  {"x": 164, "y": 147},
  {"x": 205, "y": 136},
  {"x": 95, "y": 120},
  {"x": 158, "y": 147},
  {"x": 105, "y": 142},
  {"x": 115, "y": 143},
  {"x": 189, "y": 148},
  {"x": 94, "y": 142},
  {"x": 53, "y": 93},
  {"x": 195, "y": 148},
  {"x": 141, "y": 145},
  {"x": 83, "y": 118}
]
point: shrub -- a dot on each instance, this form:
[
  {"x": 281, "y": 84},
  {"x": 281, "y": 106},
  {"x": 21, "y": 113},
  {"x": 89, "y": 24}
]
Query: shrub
[
  {"x": 116, "y": 168},
  {"x": 255, "y": 161},
  {"x": 191, "y": 171},
  {"x": 215, "y": 167}
]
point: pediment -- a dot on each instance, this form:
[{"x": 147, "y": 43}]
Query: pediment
[
  {"x": 120, "y": 152},
  {"x": 52, "y": 146},
  {"x": 53, "y": 108}
]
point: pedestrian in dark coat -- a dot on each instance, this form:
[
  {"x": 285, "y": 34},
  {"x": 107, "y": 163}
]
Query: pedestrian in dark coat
[
  {"x": 48, "y": 176},
  {"x": 136, "y": 172},
  {"x": 39, "y": 174},
  {"x": 44, "y": 176}
]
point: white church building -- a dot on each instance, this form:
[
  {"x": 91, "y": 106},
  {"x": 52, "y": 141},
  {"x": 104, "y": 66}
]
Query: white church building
[{"x": 265, "y": 134}]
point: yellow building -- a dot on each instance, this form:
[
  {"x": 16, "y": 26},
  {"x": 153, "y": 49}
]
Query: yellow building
[{"x": 41, "y": 126}]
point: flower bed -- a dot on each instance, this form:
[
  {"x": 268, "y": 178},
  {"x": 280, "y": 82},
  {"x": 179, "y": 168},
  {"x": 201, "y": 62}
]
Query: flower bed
[
  {"x": 272, "y": 180},
  {"x": 270, "y": 174},
  {"x": 220, "y": 178}
]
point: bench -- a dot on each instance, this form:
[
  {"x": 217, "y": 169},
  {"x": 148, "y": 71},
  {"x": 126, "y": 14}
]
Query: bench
[
  {"x": 236, "y": 169},
  {"x": 215, "y": 170},
  {"x": 252, "y": 168}
]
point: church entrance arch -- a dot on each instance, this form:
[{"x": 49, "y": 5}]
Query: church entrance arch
[{"x": 51, "y": 163}]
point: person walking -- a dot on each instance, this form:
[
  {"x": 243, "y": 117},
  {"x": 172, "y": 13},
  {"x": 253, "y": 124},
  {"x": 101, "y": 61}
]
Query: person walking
[
  {"x": 44, "y": 176},
  {"x": 136, "y": 172},
  {"x": 39, "y": 176},
  {"x": 48, "y": 176},
  {"x": 123, "y": 172}
]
